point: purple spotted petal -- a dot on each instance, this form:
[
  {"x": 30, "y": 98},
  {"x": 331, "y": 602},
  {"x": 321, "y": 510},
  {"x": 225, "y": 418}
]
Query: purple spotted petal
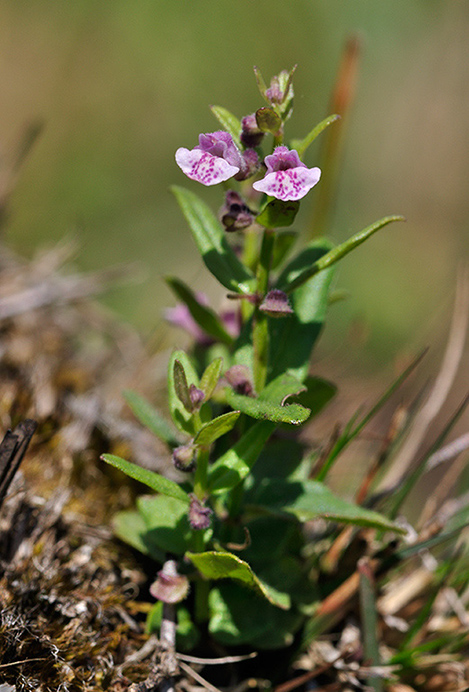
[
  {"x": 289, "y": 185},
  {"x": 204, "y": 167},
  {"x": 282, "y": 159}
]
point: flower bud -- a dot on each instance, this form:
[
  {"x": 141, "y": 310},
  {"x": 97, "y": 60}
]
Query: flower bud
[
  {"x": 280, "y": 93},
  {"x": 199, "y": 515},
  {"x": 239, "y": 377},
  {"x": 251, "y": 135},
  {"x": 276, "y": 304},
  {"x": 184, "y": 458},
  {"x": 196, "y": 396},
  {"x": 236, "y": 215},
  {"x": 170, "y": 587},
  {"x": 250, "y": 164}
]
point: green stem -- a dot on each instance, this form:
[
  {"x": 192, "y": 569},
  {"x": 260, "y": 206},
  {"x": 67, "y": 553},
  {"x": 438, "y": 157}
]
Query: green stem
[
  {"x": 201, "y": 474},
  {"x": 260, "y": 332},
  {"x": 202, "y": 586}
]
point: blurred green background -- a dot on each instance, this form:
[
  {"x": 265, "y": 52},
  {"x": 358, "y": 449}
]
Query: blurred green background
[{"x": 120, "y": 85}]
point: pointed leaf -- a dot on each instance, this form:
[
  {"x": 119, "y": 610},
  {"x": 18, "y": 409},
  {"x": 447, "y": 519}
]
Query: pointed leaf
[
  {"x": 206, "y": 318},
  {"x": 229, "y": 122},
  {"x": 209, "y": 379},
  {"x": 216, "y": 428},
  {"x": 150, "y": 418},
  {"x": 221, "y": 565},
  {"x": 180, "y": 385},
  {"x": 231, "y": 468},
  {"x": 153, "y": 480},
  {"x": 307, "y": 500},
  {"x": 302, "y": 144},
  {"x": 337, "y": 253},
  {"x": 260, "y": 82},
  {"x": 182, "y": 418},
  {"x": 210, "y": 239}
]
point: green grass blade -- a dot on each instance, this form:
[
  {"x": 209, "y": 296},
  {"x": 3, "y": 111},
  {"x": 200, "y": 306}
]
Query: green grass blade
[
  {"x": 351, "y": 431},
  {"x": 412, "y": 478}
]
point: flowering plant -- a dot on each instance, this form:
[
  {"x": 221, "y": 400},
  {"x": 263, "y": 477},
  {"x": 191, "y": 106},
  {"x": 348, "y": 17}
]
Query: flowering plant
[{"x": 234, "y": 536}]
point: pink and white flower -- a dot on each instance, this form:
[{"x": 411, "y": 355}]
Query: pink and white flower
[
  {"x": 287, "y": 178},
  {"x": 214, "y": 160}
]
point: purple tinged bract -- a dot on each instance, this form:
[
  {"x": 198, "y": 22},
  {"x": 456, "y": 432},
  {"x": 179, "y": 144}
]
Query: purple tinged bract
[{"x": 287, "y": 178}]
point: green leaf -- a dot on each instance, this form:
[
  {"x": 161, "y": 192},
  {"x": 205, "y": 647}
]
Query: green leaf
[
  {"x": 281, "y": 388},
  {"x": 238, "y": 616},
  {"x": 292, "y": 340},
  {"x": 211, "y": 242},
  {"x": 150, "y": 478},
  {"x": 277, "y": 214},
  {"x": 180, "y": 385},
  {"x": 294, "y": 414},
  {"x": 222, "y": 565},
  {"x": 233, "y": 467},
  {"x": 229, "y": 122},
  {"x": 307, "y": 500},
  {"x": 260, "y": 83},
  {"x": 182, "y": 418},
  {"x": 337, "y": 253},
  {"x": 271, "y": 403},
  {"x": 166, "y": 522},
  {"x": 151, "y": 419},
  {"x": 217, "y": 427},
  {"x": 130, "y": 527},
  {"x": 268, "y": 121},
  {"x": 302, "y": 144},
  {"x": 206, "y": 318},
  {"x": 307, "y": 257},
  {"x": 209, "y": 379},
  {"x": 284, "y": 241}
]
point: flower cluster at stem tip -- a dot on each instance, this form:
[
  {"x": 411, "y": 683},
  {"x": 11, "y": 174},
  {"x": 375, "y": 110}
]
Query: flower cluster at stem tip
[{"x": 217, "y": 158}]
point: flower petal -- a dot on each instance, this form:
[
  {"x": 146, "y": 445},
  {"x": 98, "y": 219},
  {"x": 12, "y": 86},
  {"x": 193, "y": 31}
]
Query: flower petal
[
  {"x": 289, "y": 185},
  {"x": 204, "y": 167}
]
